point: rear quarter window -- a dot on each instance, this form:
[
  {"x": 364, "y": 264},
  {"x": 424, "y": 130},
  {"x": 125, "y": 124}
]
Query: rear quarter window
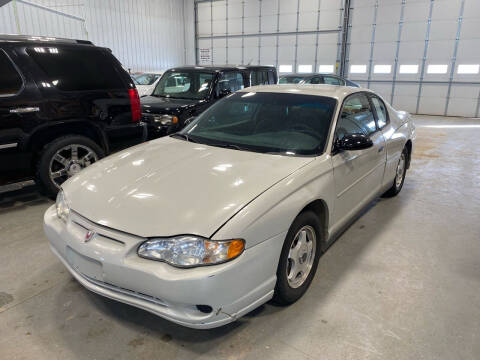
[
  {"x": 77, "y": 69},
  {"x": 10, "y": 80}
]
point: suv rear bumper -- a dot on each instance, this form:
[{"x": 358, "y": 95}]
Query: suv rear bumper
[{"x": 122, "y": 137}]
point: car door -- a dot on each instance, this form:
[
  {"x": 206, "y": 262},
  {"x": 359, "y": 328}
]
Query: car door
[
  {"x": 19, "y": 107},
  {"x": 358, "y": 173},
  {"x": 393, "y": 146}
]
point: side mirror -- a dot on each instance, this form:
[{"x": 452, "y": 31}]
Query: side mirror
[{"x": 354, "y": 142}]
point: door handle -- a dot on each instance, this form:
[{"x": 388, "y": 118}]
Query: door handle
[
  {"x": 380, "y": 149},
  {"x": 25, "y": 110}
]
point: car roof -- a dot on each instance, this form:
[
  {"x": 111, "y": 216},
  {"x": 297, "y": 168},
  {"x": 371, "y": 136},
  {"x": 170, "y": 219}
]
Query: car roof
[
  {"x": 216, "y": 68},
  {"x": 333, "y": 91},
  {"x": 44, "y": 40}
]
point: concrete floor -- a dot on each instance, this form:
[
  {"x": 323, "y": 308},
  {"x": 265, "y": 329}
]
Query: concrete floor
[{"x": 403, "y": 282}]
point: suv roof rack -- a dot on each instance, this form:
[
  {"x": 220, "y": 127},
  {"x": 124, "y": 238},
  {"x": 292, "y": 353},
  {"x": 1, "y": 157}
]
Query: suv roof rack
[{"x": 42, "y": 39}]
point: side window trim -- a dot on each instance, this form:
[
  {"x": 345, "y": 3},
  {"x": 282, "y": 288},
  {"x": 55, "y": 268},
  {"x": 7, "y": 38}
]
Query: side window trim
[
  {"x": 22, "y": 87},
  {"x": 387, "y": 115},
  {"x": 333, "y": 137}
]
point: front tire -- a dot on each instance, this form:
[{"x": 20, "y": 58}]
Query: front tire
[
  {"x": 63, "y": 158},
  {"x": 299, "y": 258},
  {"x": 399, "y": 176}
]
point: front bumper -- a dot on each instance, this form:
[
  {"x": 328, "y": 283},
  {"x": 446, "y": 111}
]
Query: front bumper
[{"x": 109, "y": 265}]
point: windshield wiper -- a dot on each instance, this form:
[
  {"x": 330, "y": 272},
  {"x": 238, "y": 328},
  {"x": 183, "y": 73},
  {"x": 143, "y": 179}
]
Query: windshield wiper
[
  {"x": 229, "y": 146},
  {"x": 183, "y": 137}
]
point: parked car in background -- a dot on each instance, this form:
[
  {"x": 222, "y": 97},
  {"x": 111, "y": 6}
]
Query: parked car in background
[
  {"x": 302, "y": 78},
  {"x": 146, "y": 82},
  {"x": 64, "y": 104},
  {"x": 185, "y": 92},
  {"x": 205, "y": 225}
]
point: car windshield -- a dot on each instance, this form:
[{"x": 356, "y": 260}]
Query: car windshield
[
  {"x": 290, "y": 79},
  {"x": 145, "y": 79},
  {"x": 184, "y": 85},
  {"x": 289, "y": 124}
]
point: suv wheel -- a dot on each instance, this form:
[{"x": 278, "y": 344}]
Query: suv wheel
[{"x": 63, "y": 158}]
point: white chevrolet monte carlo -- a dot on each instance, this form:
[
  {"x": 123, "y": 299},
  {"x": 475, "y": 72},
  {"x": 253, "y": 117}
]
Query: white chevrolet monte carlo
[{"x": 203, "y": 226}]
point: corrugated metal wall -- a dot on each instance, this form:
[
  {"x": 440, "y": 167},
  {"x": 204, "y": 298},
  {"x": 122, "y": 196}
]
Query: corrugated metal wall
[
  {"x": 422, "y": 55},
  {"x": 145, "y": 35}
]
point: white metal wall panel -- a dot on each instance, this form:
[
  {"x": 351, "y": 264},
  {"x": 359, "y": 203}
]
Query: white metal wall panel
[
  {"x": 435, "y": 35},
  {"x": 269, "y": 32},
  {"x": 145, "y": 35}
]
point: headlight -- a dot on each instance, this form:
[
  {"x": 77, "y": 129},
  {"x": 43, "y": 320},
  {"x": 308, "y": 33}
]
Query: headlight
[
  {"x": 191, "y": 250},
  {"x": 165, "y": 119},
  {"x": 63, "y": 210}
]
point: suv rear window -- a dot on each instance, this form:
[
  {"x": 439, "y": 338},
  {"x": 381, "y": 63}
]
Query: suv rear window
[
  {"x": 10, "y": 80},
  {"x": 77, "y": 69}
]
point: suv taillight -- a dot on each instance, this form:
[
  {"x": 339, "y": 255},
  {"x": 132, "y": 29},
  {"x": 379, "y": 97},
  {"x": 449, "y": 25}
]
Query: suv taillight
[{"x": 135, "y": 105}]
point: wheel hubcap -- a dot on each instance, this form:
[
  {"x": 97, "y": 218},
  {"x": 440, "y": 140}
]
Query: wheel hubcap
[
  {"x": 301, "y": 256},
  {"x": 400, "y": 171},
  {"x": 69, "y": 161}
]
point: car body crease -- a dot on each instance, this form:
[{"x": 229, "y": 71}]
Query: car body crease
[{"x": 258, "y": 195}]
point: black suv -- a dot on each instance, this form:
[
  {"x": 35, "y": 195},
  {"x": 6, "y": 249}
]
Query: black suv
[
  {"x": 184, "y": 92},
  {"x": 64, "y": 104}
]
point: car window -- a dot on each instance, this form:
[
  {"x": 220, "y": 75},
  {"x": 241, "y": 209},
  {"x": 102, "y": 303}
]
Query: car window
[
  {"x": 271, "y": 77},
  {"x": 290, "y": 79},
  {"x": 259, "y": 77},
  {"x": 382, "y": 118},
  {"x": 332, "y": 80},
  {"x": 356, "y": 117},
  {"x": 314, "y": 80},
  {"x": 145, "y": 79},
  {"x": 292, "y": 124},
  {"x": 232, "y": 81},
  {"x": 77, "y": 68},
  {"x": 10, "y": 80},
  {"x": 184, "y": 85}
]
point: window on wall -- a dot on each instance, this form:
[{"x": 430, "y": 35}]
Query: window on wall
[
  {"x": 382, "y": 69},
  {"x": 285, "y": 68},
  {"x": 437, "y": 69},
  {"x": 468, "y": 69},
  {"x": 326, "y": 69},
  {"x": 304, "y": 68},
  {"x": 358, "y": 69},
  {"x": 408, "y": 69}
]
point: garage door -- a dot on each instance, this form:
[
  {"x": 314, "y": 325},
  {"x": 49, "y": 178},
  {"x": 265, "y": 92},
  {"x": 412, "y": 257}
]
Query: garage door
[{"x": 292, "y": 35}]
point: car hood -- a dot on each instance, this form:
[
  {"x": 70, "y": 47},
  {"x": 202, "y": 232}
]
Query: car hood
[
  {"x": 154, "y": 104},
  {"x": 169, "y": 186}
]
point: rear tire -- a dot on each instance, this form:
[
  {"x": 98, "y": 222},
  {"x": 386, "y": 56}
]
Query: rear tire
[
  {"x": 63, "y": 158},
  {"x": 401, "y": 171},
  {"x": 299, "y": 258}
]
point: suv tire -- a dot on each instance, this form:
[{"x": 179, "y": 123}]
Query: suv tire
[{"x": 50, "y": 172}]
